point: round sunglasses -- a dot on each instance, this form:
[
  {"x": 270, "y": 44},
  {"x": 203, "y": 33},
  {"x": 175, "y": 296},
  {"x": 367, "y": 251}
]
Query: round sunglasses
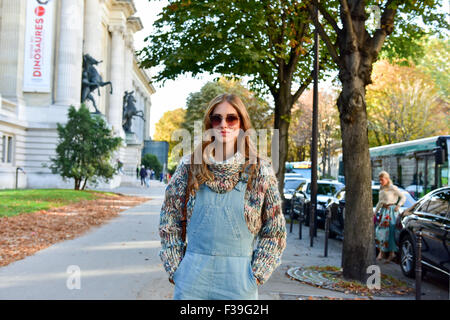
[{"x": 231, "y": 119}]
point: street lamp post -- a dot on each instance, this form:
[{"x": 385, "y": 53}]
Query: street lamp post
[{"x": 313, "y": 206}]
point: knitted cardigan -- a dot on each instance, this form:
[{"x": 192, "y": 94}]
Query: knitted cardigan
[{"x": 262, "y": 211}]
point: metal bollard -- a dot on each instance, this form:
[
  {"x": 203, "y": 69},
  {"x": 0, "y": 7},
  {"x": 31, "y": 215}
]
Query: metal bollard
[
  {"x": 418, "y": 265},
  {"x": 311, "y": 224},
  {"x": 327, "y": 232},
  {"x": 291, "y": 214},
  {"x": 300, "y": 220}
]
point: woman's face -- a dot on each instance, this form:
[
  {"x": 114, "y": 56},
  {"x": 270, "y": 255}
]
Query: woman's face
[
  {"x": 227, "y": 130},
  {"x": 383, "y": 181}
]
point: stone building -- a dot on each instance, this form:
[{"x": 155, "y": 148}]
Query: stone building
[{"x": 42, "y": 44}]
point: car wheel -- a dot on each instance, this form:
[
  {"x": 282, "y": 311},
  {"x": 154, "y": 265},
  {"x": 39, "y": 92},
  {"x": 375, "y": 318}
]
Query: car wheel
[{"x": 408, "y": 256}]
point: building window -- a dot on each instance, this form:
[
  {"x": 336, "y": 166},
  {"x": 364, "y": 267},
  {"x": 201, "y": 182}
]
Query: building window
[{"x": 7, "y": 149}]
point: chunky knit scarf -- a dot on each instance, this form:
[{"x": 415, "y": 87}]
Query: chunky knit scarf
[{"x": 226, "y": 173}]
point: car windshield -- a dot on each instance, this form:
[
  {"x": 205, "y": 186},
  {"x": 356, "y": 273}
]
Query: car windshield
[
  {"x": 292, "y": 183},
  {"x": 326, "y": 189}
]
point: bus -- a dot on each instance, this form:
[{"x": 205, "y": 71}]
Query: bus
[
  {"x": 301, "y": 167},
  {"x": 417, "y": 166}
]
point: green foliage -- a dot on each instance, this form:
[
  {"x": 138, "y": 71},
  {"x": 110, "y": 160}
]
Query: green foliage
[
  {"x": 435, "y": 63},
  {"x": 85, "y": 148},
  {"x": 234, "y": 38},
  {"x": 414, "y": 22},
  {"x": 150, "y": 161}
]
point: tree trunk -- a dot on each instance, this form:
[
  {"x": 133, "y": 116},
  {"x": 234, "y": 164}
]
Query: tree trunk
[
  {"x": 358, "y": 247},
  {"x": 84, "y": 184},
  {"x": 329, "y": 159},
  {"x": 283, "y": 104}
]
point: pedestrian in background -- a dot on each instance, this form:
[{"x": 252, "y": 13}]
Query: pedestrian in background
[
  {"x": 143, "y": 174},
  {"x": 147, "y": 178},
  {"x": 233, "y": 204},
  {"x": 390, "y": 200},
  {"x": 152, "y": 174}
]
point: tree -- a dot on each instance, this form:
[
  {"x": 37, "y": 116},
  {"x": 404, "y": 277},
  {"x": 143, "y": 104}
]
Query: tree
[
  {"x": 300, "y": 129},
  {"x": 435, "y": 63},
  {"x": 151, "y": 161},
  {"x": 167, "y": 124},
  {"x": 85, "y": 148},
  {"x": 269, "y": 41},
  {"x": 403, "y": 104},
  {"x": 329, "y": 140},
  {"x": 354, "y": 47}
]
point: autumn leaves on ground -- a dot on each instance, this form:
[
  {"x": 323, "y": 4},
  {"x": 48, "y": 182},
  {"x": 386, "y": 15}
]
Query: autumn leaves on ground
[{"x": 32, "y": 220}]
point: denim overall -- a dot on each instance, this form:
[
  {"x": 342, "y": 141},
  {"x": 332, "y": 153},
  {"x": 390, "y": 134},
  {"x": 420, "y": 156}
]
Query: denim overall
[{"x": 217, "y": 262}]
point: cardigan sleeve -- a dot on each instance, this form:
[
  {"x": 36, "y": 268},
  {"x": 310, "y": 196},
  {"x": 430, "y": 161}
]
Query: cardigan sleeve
[
  {"x": 272, "y": 235},
  {"x": 170, "y": 219},
  {"x": 400, "y": 195}
]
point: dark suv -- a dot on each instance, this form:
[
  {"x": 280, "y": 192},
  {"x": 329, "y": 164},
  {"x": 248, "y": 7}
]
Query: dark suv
[{"x": 431, "y": 216}]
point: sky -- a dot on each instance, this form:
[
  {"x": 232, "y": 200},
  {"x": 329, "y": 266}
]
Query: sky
[{"x": 174, "y": 93}]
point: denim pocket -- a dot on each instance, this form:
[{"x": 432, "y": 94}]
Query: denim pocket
[{"x": 198, "y": 218}]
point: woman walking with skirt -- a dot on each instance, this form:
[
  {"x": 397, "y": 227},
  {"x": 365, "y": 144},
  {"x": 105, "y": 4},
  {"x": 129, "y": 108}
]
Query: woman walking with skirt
[
  {"x": 236, "y": 231},
  {"x": 389, "y": 201}
]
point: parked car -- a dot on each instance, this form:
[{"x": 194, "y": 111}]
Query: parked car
[
  {"x": 290, "y": 185},
  {"x": 430, "y": 215},
  {"x": 326, "y": 189},
  {"x": 336, "y": 206}
]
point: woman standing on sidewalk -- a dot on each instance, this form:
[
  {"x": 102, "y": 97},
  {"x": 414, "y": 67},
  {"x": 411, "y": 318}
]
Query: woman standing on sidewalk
[
  {"x": 236, "y": 231},
  {"x": 390, "y": 200}
]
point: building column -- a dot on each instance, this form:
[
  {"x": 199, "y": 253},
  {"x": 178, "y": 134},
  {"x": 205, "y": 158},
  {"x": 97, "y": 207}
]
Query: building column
[
  {"x": 129, "y": 59},
  {"x": 12, "y": 32},
  {"x": 70, "y": 53},
  {"x": 93, "y": 35},
  {"x": 114, "y": 112},
  {"x": 93, "y": 29},
  {"x": 147, "y": 105}
]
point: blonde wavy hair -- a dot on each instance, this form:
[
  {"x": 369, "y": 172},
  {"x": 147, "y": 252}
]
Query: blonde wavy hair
[
  {"x": 199, "y": 171},
  {"x": 385, "y": 174}
]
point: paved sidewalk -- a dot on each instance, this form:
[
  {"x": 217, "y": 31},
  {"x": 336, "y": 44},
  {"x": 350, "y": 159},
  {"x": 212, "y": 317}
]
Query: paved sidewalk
[{"x": 117, "y": 260}]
